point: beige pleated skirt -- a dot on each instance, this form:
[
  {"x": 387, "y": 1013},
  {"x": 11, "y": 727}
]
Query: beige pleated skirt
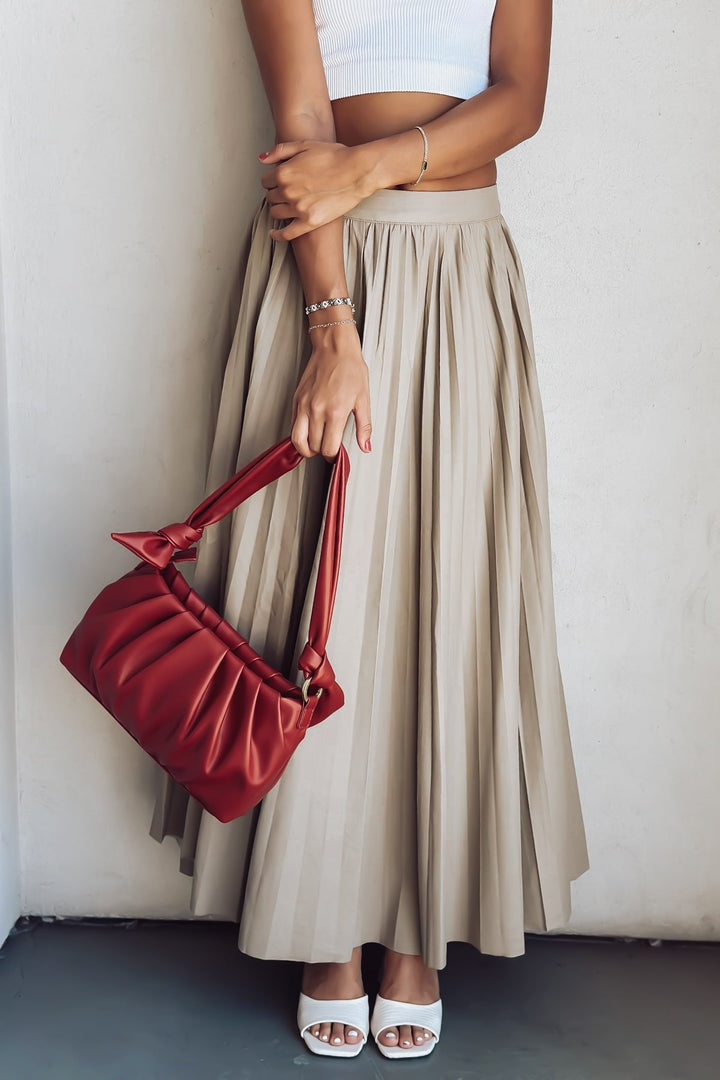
[{"x": 440, "y": 803}]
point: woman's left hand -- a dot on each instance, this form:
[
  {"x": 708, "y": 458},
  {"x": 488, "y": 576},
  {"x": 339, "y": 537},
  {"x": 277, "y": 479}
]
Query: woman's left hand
[{"x": 313, "y": 183}]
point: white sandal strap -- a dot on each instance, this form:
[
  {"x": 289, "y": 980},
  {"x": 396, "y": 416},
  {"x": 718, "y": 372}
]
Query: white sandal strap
[
  {"x": 388, "y": 1013},
  {"x": 351, "y": 1011}
]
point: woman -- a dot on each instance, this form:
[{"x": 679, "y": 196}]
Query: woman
[{"x": 440, "y": 803}]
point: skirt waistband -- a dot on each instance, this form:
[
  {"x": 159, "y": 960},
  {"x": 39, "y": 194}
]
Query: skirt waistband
[{"x": 405, "y": 207}]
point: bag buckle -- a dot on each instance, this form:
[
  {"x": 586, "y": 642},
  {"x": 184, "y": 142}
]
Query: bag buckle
[{"x": 305, "y": 688}]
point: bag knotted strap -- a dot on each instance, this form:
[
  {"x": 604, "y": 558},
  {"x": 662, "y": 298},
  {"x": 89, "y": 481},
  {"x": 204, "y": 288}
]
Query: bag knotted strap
[{"x": 174, "y": 542}]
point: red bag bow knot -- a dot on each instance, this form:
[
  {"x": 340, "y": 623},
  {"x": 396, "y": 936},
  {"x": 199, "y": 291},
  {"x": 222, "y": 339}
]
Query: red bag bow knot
[{"x": 158, "y": 548}]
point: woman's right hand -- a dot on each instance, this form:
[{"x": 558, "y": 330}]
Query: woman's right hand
[{"x": 334, "y": 384}]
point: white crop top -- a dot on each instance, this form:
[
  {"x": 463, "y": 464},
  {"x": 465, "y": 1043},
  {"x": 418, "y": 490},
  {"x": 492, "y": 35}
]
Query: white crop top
[{"x": 439, "y": 46}]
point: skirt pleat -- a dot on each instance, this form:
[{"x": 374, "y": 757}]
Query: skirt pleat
[{"x": 440, "y": 802}]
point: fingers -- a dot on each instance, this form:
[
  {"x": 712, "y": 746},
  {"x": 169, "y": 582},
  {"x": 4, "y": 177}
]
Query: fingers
[
  {"x": 319, "y": 429},
  {"x": 282, "y": 210},
  {"x": 282, "y": 151},
  {"x": 295, "y": 429},
  {"x": 292, "y": 231},
  {"x": 287, "y": 201},
  {"x": 313, "y": 433},
  {"x": 332, "y": 437},
  {"x": 297, "y": 227},
  {"x": 363, "y": 425},
  {"x": 311, "y": 436},
  {"x": 316, "y": 430},
  {"x": 299, "y": 433}
]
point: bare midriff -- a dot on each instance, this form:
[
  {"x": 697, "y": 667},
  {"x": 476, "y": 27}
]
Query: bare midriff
[{"x": 365, "y": 117}]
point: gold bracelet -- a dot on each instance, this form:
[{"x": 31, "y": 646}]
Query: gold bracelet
[
  {"x": 425, "y": 155},
  {"x": 338, "y": 322}
]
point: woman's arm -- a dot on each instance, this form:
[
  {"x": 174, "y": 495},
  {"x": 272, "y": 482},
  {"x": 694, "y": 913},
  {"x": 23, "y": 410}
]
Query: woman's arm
[
  {"x": 314, "y": 183},
  {"x": 334, "y": 382},
  {"x": 285, "y": 42},
  {"x": 478, "y": 130}
]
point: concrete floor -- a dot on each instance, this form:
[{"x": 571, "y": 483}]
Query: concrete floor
[{"x": 102, "y": 999}]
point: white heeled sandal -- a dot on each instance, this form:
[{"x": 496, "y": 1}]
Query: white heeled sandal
[
  {"x": 388, "y": 1013},
  {"x": 351, "y": 1011}
]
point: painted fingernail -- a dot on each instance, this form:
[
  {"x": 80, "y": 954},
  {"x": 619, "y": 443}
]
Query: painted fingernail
[{"x": 264, "y": 154}]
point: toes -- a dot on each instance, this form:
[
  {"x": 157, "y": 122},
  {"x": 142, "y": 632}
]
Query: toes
[
  {"x": 323, "y": 1032},
  {"x": 337, "y": 1035},
  {"x": 405, "y": 1033},
  {"x": 405, "y": 1036}
]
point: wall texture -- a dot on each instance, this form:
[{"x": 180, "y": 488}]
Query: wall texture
[
  {"x": 9, "y": 824},
  {"x": 131, "y": 129}
]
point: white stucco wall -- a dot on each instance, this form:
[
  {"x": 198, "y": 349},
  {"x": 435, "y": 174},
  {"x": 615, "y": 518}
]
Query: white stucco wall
[
  {"x": 130, "y": 129},
  {"x": 9, "y": 821}
]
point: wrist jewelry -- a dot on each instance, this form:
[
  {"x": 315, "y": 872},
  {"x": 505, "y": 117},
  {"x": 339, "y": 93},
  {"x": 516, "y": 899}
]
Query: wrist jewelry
[
  {"x": 425, "y": 155},
  {"x": 338, "y": 322},
  {"x": 321, "y": 304}
]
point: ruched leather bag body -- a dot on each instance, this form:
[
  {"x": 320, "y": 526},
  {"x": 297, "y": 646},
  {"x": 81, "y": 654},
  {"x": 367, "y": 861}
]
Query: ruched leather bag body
[{"x": 182, "y": 681}]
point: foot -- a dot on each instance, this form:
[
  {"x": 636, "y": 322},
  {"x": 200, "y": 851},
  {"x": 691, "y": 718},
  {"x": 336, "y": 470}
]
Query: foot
[
  {"x": 329, "y": 982},
  {"x": 406, "y": 978}
]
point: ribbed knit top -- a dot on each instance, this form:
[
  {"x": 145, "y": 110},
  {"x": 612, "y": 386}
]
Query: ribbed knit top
[{"x": 439, "y": 46}]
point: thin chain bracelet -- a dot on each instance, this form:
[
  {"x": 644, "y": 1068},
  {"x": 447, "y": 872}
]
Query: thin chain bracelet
[{"x": 338, "y": 322}]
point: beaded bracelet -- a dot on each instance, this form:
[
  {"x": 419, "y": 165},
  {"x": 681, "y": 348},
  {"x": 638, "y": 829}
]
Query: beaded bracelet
[{"x": 322, "y": 304}]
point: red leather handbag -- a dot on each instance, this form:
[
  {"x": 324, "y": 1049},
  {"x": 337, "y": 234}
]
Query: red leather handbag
[{"x": 182, "y": 681}]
